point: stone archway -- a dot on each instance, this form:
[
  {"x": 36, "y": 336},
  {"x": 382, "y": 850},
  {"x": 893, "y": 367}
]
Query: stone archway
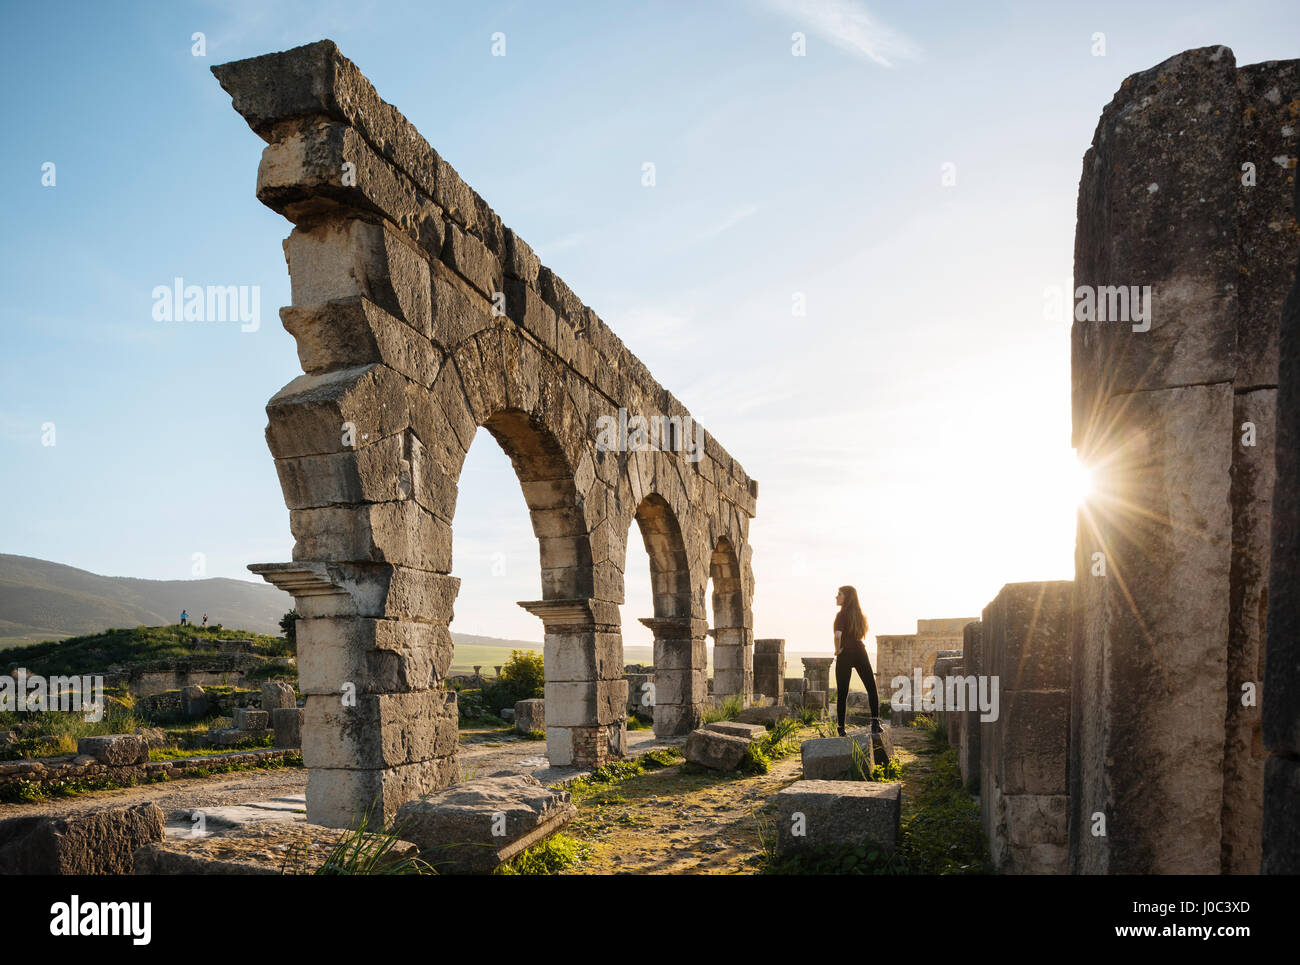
[
  {"x": 419, "y": 317},
  {"x": 733, "y": 635},
  {"x": 681, "y": 681}
]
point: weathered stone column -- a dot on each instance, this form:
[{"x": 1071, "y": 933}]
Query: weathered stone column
[
  {"x": 373, "y": 648},
  {"x": 817, "y": 671},
  {"x": 681, "y": 673},
  {"x": 1182, "y": 208},
  {"x": 733, "y": 661},
  {"x": 1281, "y": 706},
  {"x": 968, "y": 751},
  {"x": 1026, "y": 650},
  {"x": 769, "y": 668},
  {"x": 586, "y": 695}
]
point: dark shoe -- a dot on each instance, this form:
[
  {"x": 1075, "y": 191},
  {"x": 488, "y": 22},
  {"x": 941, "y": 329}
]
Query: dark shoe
[
  {"x": 842, "y": 733},
  {"x": 875, "y": 726}
]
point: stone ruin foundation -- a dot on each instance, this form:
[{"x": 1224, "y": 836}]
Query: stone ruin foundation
[
  {"x": 419, "y": 318},
  {"x": 1025, "y": 647}
]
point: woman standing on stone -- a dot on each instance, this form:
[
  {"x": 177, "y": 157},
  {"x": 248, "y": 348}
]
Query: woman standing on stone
[{"x": 851, "y": 654}]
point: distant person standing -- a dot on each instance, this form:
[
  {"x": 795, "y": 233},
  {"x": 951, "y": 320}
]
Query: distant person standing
[
  {"x": 185, "y": 618},
  {"x": 851, "y": 654},
  {"x": 205, "y": 619}
]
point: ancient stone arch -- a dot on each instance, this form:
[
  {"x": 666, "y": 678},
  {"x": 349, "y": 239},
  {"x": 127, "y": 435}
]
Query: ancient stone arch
[{"x": 420, "y": 318}]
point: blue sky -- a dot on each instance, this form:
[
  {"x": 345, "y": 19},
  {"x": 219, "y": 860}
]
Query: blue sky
[{"x": 910, "y": 434}]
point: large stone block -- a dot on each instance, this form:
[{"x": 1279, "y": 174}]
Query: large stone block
[
  {"x": 378, "y": 730},
  {"x": 476, "y": 825},
  {"x": 671, "y": 720},
  {"x": 351, "y": 259},
  {"x": 194, "y": 703},
  {"x": 736, "y": 729},
  {"x": 286, "y": 722},
  {"x": 1032, "y": 734},
  {"x": 582, "y": 703},
  {"x": 835, "y": 759},
  {"x": 97, "y": 842},
  {"x": 374, "y": 656},
  {"x": 249, "y": 718},
  {"x": 341, "y": 797},
  {"x": 1166, "y": 154},
  {"x": 1028, "y": 647},
  {"x": 1151, "y": 647},
  {"x": 530, "y": 715},
  {"x": 349, "y": 332},
  {"x": 116, "y": 750},
  {"x": 766, "y": 716},
  {"x": 721, "y": 752},
  {"x": 1035, "y": 834},
  {"x": 277, "y": 694},
  {"x": 828, "y": 814},
  {"x": 267, "y": 848}
]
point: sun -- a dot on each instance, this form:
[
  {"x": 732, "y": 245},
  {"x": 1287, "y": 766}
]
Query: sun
[{"x": 1080, "y": 482}]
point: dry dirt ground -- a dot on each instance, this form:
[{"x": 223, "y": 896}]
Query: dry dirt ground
[
  {"x": 667, "y": 821},
  {"x": 674, "y": 822}
]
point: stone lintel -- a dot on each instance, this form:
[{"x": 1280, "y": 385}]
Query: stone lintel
[
  {"x": 298, "y": 579},
  {"x": 577, "y": 614}
]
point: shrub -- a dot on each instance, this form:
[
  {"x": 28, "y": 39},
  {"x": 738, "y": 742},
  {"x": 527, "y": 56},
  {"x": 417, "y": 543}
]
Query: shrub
[{"x": 522, "y": 678}]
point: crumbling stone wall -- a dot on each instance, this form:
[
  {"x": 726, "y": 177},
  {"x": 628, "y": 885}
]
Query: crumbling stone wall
[
  {"x": 1024, "y": 645},
  {"x": 900, "y": 654},
  {"x": 1186, "y": 189},
  {"x": 420, "y": 317}
]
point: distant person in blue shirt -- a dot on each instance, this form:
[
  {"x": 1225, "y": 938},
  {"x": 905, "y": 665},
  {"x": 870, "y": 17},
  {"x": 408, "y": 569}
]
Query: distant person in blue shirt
[{"x": 185, "y": 617}]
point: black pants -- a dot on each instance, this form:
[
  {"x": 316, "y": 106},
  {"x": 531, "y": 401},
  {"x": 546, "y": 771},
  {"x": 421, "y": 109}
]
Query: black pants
[{"x": 853, "y": 658}]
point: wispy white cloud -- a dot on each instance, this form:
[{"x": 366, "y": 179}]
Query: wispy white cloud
[
  {"x": 726, "y": 224},
  {"x": 849, "y": 25}
]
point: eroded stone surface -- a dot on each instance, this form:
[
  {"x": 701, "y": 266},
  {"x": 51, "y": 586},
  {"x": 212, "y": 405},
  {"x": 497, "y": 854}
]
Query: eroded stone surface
[{"x": 473, "y": 826}]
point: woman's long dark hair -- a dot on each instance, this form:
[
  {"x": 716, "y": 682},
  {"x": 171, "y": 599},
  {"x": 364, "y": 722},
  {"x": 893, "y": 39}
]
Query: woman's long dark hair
[{"x": 855, "y": 622}]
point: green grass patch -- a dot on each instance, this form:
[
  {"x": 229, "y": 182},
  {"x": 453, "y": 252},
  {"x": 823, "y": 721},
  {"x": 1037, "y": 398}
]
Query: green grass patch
[
  {"x": 557, "y": 853},
  {"x": 729, "y": 709},
  {"x": 777, "y": 743},
  {"x": 617, "y": 771}
]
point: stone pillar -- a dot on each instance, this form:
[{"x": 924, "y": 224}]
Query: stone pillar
[
  {"x": 1026, "y": 650},
  {"x": 968, "y": 740},
  {"x": 1174, "y": 409},
  {"x": 817, "y": 671},
  {"x": 681, "y": 673},
  {"x": 893, "y": 659},
  {"x": 769, "y": 668},
  {"x": 733, "y": 661},
  {"x": 586, "y": 695},
  {"x": 1281, "y": 697},
  {"x": 373, "y": 649}
]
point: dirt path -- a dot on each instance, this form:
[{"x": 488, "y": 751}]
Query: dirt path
[
  {"x": 663, "y": 822},
  {"x": 238, "y": 787},
  {"x": 482, "y": 751},
  {"x": 672, "y": 822}
]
